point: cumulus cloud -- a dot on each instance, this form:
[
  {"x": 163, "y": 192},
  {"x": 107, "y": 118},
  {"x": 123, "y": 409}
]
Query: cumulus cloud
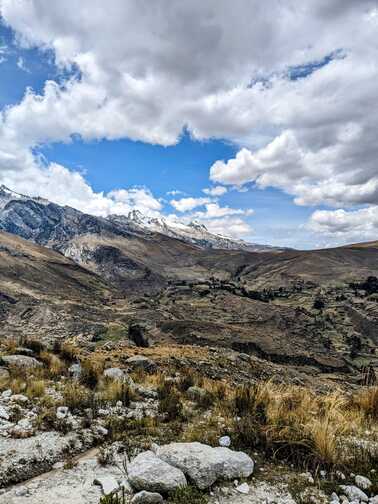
[
  {"x": 186, "y": 204},
  {"x": 294, "y": 87},
  {"x": 354, "y": 225},
  {"x": 215, "y": 191}
]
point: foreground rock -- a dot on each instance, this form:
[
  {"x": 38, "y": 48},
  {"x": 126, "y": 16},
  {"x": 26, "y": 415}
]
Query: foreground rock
[
  {"x": 205, "y": 465},
  {"x": 148, "y": 472},
  {"x": 66, "y": 486},
  {"x": 147, "y": 498},
  {"x": 21, "y": 361},
  {"x": 22, "y": 459}
]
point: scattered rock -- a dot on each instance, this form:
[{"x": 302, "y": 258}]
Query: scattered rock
[
  {"x": 21, "y": 361},
  {"x": 142, "y": 362},
  {"x": 204, "y": 465},
  {"x": 148, "y": 472},
  {"x": 225, "y": 441},
  {"x": 62, "y": 412},
  {"x": 4, "y": 373},
  {"x": 4, "y": 414},
  {"x": 243, "y": 488},
  {"x": 363, "y": 482},
  {"x": 354, "y": 493},
  {"x": 147, "y": 498},
  {"x": 75, "y": 371},
  {"x": 118, "y": 374},
  {"x": 108, "y": 484}
]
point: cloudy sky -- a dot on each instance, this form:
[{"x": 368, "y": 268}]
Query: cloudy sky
[{"x": 259, "y": 119}]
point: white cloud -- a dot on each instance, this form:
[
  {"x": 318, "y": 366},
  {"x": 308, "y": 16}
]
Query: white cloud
[
  {"x": 221, "y": 70},
  {"x": 21, "y": 64},
  {"x": 213, "y": 210},
  {"x": 186, "y": 204},
  {"x": 175, "y": 192},
  {"x": 230, "y": 226},
  {"x": 355, "y": 225},
  {"x": 215, "y": 191}
]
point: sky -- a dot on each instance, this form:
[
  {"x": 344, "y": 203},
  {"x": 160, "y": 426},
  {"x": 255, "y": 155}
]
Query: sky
[{"x": 258, "y": 119}]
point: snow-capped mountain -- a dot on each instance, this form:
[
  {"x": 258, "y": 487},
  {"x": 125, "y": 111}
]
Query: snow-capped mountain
[
  {"x": 195, "y": 232},
  {"x": 47, "y": 223}
]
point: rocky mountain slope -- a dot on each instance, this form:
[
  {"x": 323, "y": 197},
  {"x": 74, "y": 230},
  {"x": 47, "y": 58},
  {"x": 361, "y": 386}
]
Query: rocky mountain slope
[{"x": 194, "y": 232}]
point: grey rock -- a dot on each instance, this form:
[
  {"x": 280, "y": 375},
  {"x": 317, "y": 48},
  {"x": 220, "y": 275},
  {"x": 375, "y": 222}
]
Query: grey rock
[
  {"x": 363, "y": 482},
  {"x": 148, "y": 472},
  {"x": 354, "y": 493},
  {"x": 142, "y": 362},
  {"x": 21, "y": 361},
  {"x": 19, "y": 398},
  {"x": 204, "y": 465},
  {"x": 62, "y": 412},
  {"x": 75, "y": 371},
  {"x": 243, "y": 488},
  {"x": 4, "y": 373},
  {"x": 144, "y": 497},
  {"x": 225, "y": 441},
  {"x": 118, "y": 374},
  {"x": 4, "y": 413},
  {"x": 108, "y": 484}
]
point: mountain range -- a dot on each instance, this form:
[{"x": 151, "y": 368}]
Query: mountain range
[{"x": 64, "y": 273}]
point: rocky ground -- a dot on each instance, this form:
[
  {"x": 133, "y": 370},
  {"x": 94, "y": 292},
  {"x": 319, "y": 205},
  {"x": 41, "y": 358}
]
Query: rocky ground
[{"x": 90, "y": 428}]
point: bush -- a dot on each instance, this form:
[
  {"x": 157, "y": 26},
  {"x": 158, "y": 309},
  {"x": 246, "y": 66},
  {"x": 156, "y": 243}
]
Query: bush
[{"x": 188, "y": 495}]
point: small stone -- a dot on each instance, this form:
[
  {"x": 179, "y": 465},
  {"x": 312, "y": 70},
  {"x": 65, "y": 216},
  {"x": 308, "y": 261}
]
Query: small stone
[
  {"x": 75, "y": 371},
  {"x": 142, "y": 362},
  {"x": 62, "y": 412},
  {"x": 354, "y": 493},
  {"x": 363, "y": 482},
  {"x": 21, "y": 491},
  {"x": 21, "y": 361},
  {"x": 334, "y": 497},
  {"x": 4, "y": 414},
  {"x": 243, "y": 488},
  {"x": 107, "y": 483},
  {"x": 225, "y": 441},
  {"x": 144, "y": 497},
  {"x": 4, "y": 373},
  {"x": 19, "y": 398}
]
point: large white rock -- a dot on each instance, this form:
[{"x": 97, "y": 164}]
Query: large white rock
[
  {"x": 118, "y": 374},
  {"x": 204, "y": 465},
  {"x": 21, "y": 361},
  {"x": 147, "y": 498},
  {"x": 148, "y": 472},
  {"x": 363, "y": 482},
  {"x": 4, "y": 414},
  {"x": 354, "y": 493},
  {"x": 108, "y": 484}
]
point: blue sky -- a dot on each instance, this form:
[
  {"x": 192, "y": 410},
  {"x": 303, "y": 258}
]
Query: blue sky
[{"x": 117, "y": 121}]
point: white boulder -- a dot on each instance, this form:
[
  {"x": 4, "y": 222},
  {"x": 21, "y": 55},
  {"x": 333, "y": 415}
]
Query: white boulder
[
  {"x": 363, "y": 482},
  {"x": 225, "y": 441},
  {"x": 144, "y": 497},
  {"x": 148, "y": 472},
  {"x": 108, "y": 484},
  {"x": 204, "y": 465},
  {"x": 354, "y": 493}
]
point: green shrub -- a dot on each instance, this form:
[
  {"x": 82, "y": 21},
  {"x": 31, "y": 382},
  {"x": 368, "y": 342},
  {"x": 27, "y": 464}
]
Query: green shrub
[{"x": 188, "y": 495}]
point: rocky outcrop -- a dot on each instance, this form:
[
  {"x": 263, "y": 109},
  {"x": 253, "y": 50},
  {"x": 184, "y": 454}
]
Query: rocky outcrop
[
  {"x": 205, "y": 465},
  {"x": 148, "y": 472}
]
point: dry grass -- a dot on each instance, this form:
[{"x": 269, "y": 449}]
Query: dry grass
[
  {"x": 54, "y": 365},
  {"x": 76, "y": 396},
  {"x": 296, "y": 423},
  {"x": 114, "y": 390},
  {"x": 35, "y": 388}
]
